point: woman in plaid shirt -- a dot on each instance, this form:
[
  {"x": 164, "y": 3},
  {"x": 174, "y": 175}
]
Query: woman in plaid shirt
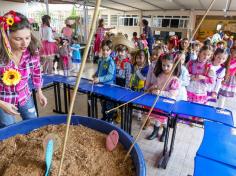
[{"x": 18, "y": 56}]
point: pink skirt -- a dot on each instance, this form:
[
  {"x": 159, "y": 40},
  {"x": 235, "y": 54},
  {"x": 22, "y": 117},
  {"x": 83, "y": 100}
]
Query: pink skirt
[
  {"x": 65, "y": 61},
  {"x": 48, "y": 49},
  {"x": 202, "y": 99},
  {"x": 97, "y": 45},
  {"x": 160, "y": 118}
]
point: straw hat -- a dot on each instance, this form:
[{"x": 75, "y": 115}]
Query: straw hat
[{"x": 120, "y": 39}]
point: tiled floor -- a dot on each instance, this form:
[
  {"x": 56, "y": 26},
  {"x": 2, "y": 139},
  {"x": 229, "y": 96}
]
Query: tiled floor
[{"x": 187, "y": 140}]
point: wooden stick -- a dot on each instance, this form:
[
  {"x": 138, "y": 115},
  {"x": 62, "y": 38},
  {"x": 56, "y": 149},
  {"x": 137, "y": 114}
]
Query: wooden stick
[
  {"x": 79, "y": 75},
  {"x": 150, "y": 111},
  {"x": 127, "y": 102},
  {"x": 204, "y": 16}
]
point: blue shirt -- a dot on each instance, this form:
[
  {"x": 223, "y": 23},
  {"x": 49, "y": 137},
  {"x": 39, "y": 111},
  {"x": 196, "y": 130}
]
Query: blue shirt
[
  {"x": 106, "y": 70},
  {"x": 76, "y": 57}
]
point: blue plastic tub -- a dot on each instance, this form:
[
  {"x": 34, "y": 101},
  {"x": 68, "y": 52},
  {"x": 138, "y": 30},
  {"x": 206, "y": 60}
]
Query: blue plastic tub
[{"x": 27, "y": 126}]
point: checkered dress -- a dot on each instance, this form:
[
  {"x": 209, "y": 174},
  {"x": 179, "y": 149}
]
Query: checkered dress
[{"x": 29, "y": 67}]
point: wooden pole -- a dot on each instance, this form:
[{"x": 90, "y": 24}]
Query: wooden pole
[
  {"x": 79, "y": 75},
  {"x": 163, "y": 88}
]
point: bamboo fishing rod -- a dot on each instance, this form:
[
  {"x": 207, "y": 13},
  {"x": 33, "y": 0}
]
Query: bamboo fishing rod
[
  {"x": 79, "y": 75},
  {"x": 163, "y": 88}
]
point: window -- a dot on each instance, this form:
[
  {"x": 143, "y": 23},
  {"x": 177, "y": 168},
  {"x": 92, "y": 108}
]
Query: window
[
  {"x": 186, "y": 23},
  {"x": 105, "y": 17},
  {"x": 181, "y": 23},
  {"x": 128, "y": 20},
  {"x": 174, "y": 23},
  {"x": 114, "y": 20},
  {"x": 169, "y": 21},
  {"x": 156, "y": 22},
  {"x": 165, "y": 22}
]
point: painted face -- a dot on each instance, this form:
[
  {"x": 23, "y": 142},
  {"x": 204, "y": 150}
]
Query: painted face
[
  {"x": 219, "y": 59},
  {"x": 204, "y": 56},
  {"x": 106, "y": 51},
  {"x": 167, "y": 66},
  {"x": 20, "y": 39}
]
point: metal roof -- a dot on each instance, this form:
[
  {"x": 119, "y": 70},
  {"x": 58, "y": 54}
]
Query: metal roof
[{"x": 152, "y": 5}]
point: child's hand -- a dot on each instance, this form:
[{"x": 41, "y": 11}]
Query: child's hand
[
  {"x": 156, "y": 91},
  {"x": 9, "y": 108},
  {"x": 95, "y": 80},
  {"x": 201, "y": 77},
  {"x": 194, "y": 78},
  {"x": 42, "y": 99},
  {"x": 214, "y": 95}
]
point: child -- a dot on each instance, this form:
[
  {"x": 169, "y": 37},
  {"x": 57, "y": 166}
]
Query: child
[
  {"x": 49, "y": 47},
  {"x": 194, "y": 49},
  {"x": 162, "y": 71},
  {"x": 156, "y": 53},
  {"x": 151, "y": 78},
  {"x": 123, "y": 66},
  {"x": 135, "y": 38},
  {"x": 67, "y": 31},
  {"x": 106, "y": 74},
  {"x": 76, "y": 57},
  {"x": 139, "y": 74},
  {"x": 99, "y": 36},
  {"x": 184, "y": 77},
  {"x": 17, "y": 66},
  {"x": 228, "y": 88},
  {"x": 201, "y": 76},
  {"x": 64, "y": 53},
  {"x": 139, "y": 71},
  {"x": 219, "y": 58}
]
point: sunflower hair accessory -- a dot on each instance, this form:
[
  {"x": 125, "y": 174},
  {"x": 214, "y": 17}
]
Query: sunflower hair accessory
[
  {"x": 6, "y": 21},
  {"x": 11, "y": 77},
  {"x": 9, "y": 19}
]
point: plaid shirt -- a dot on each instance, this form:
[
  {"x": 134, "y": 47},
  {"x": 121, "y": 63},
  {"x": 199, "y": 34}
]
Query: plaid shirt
[{"x": 29, "y": 67}]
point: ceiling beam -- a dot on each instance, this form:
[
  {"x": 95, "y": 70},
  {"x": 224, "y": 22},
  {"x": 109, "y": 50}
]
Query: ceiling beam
[
  {"x": 153, "y": 4},
  {"x": 125, "y": 5}
]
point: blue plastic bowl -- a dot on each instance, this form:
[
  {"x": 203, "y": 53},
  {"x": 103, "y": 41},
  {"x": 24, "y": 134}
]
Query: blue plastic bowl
[{"x": 27, "y": 126}]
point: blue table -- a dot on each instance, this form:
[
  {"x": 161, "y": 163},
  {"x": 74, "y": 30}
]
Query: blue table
[
  {"x": 164, "y": 104},
  {"x": 208, "y": 167},
  {"x": 203, "y": 111},
  {"x": 219, "y": 143},
  {"x": 197, "y": 110}
]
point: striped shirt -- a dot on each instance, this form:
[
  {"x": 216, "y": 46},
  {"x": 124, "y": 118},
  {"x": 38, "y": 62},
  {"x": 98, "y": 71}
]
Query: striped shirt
[{"x": 29, "y": 67}]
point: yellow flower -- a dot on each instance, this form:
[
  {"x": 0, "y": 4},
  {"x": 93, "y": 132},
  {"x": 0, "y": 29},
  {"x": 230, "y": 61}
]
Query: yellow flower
[
  {"x": 11, "y": 77},
  {"x": 10, "y": 21}
]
